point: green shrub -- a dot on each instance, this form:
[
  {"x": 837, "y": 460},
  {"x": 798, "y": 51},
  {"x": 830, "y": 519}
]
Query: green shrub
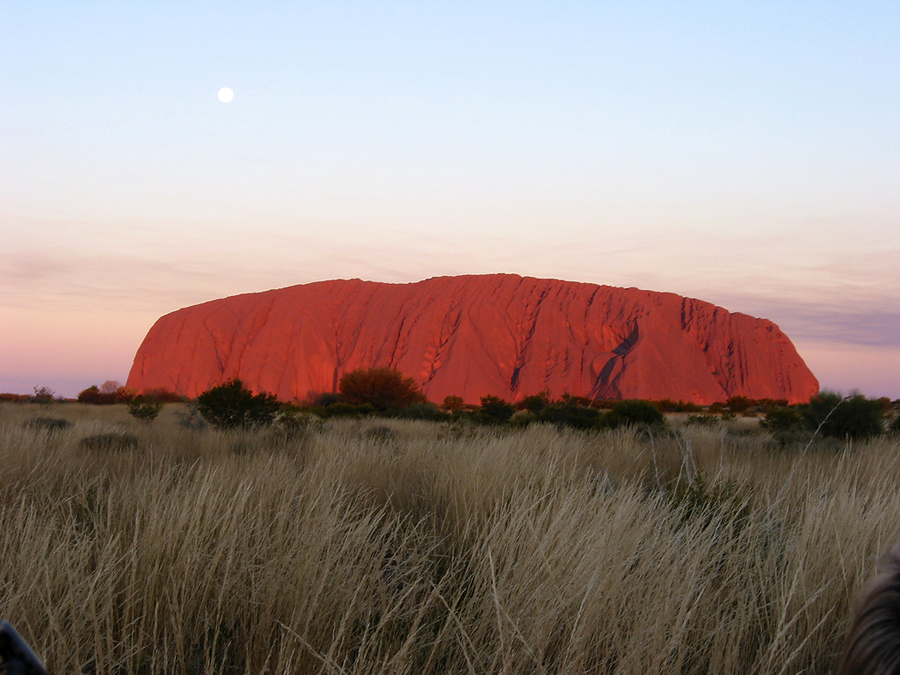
[
  {"x": 495, "y": 410},
  {"x": 536, "y": 404},
  {"x": 783, "y": 420},
  {"x": 634, "y": 412},
  {"x": 144, "y": 408},
  {"x": 852, "y": 417},
  {"x": 570, "y": 415},
  {"x": 231, "y": 406}
]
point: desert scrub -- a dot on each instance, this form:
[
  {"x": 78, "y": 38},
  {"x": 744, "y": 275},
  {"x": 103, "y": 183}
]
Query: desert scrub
[
  {"x": 232, "y": 406},
  {"x": 110, "y": 442},
  {"x": 48, "y": 423},
  {"x": 481, "y": 550},
  {"x": 144, "y": 408},
  {"x": 703, "y": 420}
]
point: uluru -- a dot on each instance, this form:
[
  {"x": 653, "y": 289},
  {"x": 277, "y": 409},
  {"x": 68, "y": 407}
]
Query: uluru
[{"x": 473, "y": 336}]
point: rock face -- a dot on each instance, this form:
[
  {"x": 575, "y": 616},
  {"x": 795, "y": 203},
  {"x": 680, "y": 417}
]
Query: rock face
[{"x": 474, "y": 336}]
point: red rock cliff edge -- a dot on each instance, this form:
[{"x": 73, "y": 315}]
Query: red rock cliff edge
[{"x": 472, "y": 336}]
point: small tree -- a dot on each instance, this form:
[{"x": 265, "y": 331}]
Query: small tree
[
  {"x": 231, "y": 406},
  {"x": 423, "y": 411},
  {"x": 95, "y": 395},
  {"x": 738, "y": 404},
  {"x": 382, "y": 388}
]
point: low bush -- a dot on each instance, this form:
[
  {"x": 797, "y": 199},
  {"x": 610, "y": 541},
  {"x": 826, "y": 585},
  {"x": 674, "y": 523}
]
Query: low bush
[
  {"x": 324, "y": 400},
  {"x": 294, "y": 420},
  {"x": 783, "y": 420},
  {"x": 110, "y": 442},
  {"x": 570, "y": 415},
  {"x": 667, "y": 405},
  {"x": 48, "y": 423},
  {"x": 738, "y": 404},
  {"x": 341, "y": 409},
  {"x": 536, "y": 404},
  {"x": 423, "y": 411},
  {"x": 144, "y": 408},
  {"x": 634, "y": 412},
  {"x": 43, "y": 395}
]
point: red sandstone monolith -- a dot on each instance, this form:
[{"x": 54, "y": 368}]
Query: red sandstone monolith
[{"x": 473, "y": 336}]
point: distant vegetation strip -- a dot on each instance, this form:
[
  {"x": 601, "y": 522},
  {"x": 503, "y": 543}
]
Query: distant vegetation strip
[{"x": 386, "y": 392}]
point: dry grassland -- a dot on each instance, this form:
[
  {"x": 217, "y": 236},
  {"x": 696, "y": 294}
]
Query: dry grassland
[{"x": 433, "y": 549}]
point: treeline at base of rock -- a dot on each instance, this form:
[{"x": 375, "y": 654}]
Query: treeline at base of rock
[{"x": 385, "y": 392}]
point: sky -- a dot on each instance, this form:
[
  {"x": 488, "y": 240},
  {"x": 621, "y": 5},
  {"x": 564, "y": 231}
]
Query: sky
[{"x": 743, "y": 153}]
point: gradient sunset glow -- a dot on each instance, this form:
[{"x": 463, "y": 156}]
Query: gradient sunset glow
[{"x": 745, "y": 155}]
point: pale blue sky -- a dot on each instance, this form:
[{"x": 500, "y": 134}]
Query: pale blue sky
[{"x": 744, "y": 153}]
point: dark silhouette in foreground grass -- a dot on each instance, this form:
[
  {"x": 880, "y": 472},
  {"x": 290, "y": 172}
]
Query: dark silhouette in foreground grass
[{"x": 873, "y": 642}]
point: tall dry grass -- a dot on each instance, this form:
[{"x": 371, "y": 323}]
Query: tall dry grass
[{"x": 433, "y": 549}]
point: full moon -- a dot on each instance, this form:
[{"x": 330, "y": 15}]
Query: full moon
[{"x": 225, "y": 95}]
